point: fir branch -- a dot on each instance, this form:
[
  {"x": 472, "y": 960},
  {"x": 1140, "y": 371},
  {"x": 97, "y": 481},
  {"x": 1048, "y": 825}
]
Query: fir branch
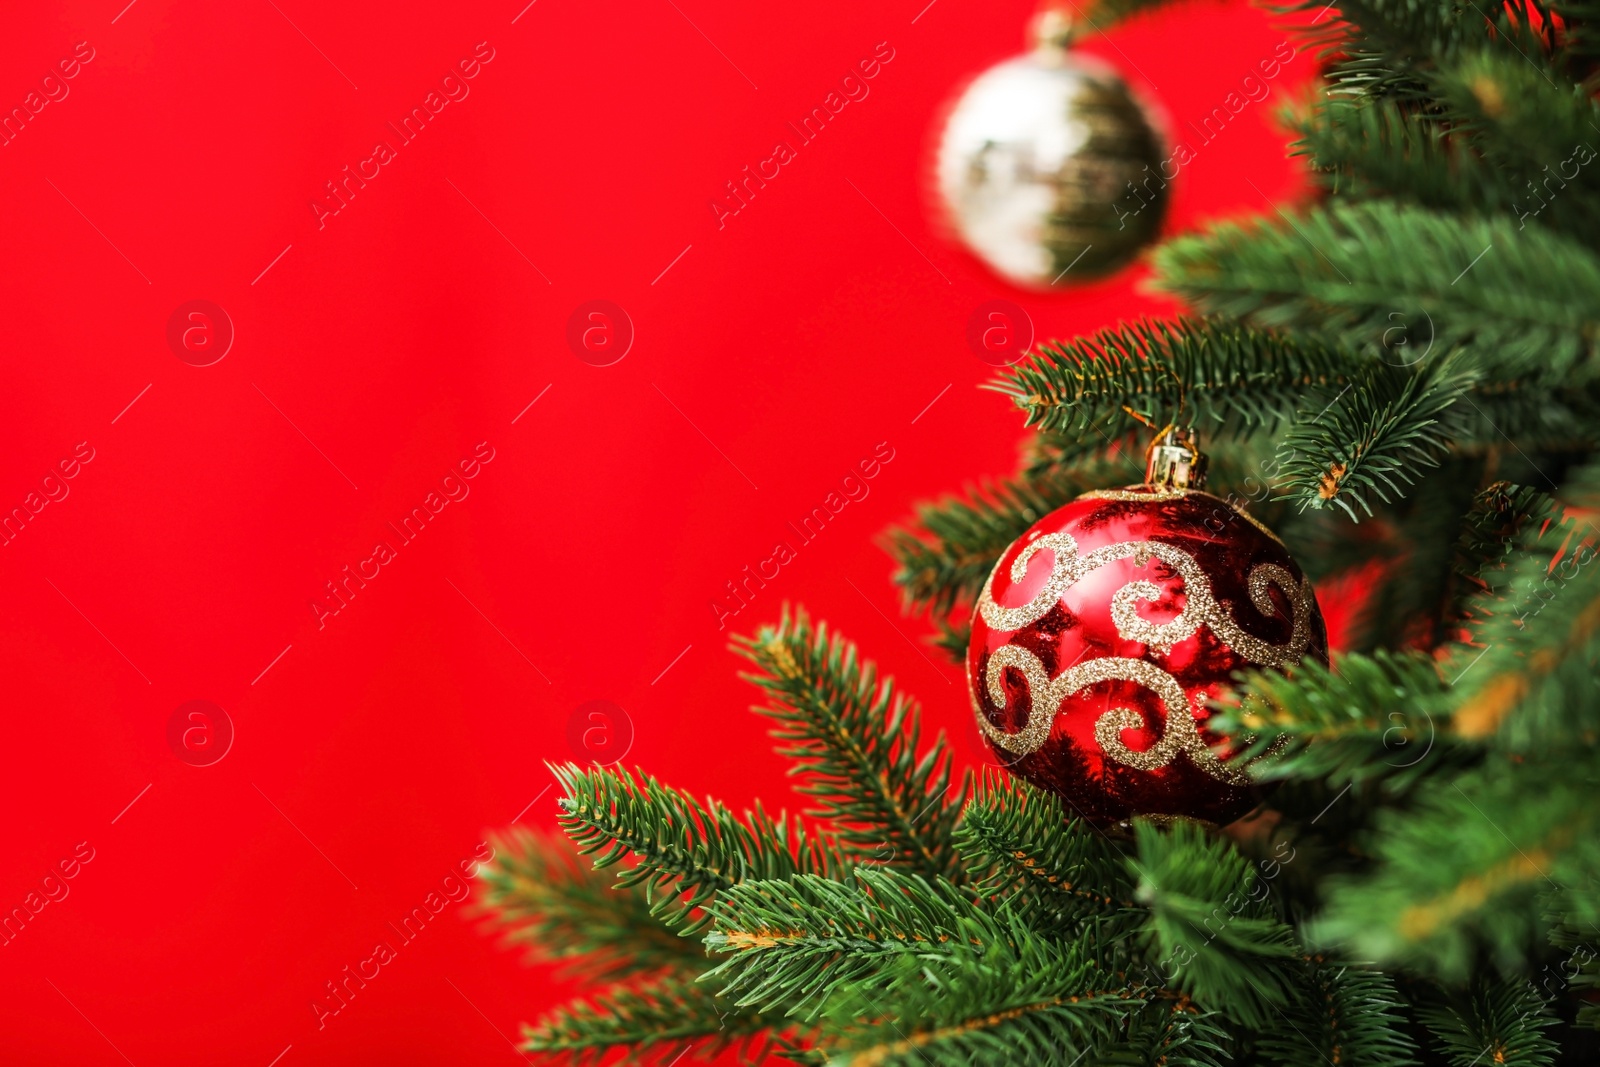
[
  {"x": 1222, "y": 944},
  {"x": 660, "y": 1016},
  {"x": 1527, "y": 119},
  {"x": 1525, "y": 304},
  {"x": 1031, "y": 1004},
  {"x": 795, "y": 943},
  {"x": 1221, "y": 376},
  {"x": 1539, "y": 696},
  {"x": 1345, "y": 1015},
  {"x": 1371, "y": 438},
  {"x": 855, "y": 742},
  {"x": 1493, "y": 525},
  {"x": 1461, "y": 869},
  {"x": 796, "y": 1051},
  {"x": 1020, "y": 846},
  {"x": 947, "y": 555},
  {"x": 1168, "y": 1034},
  {"x": 1388, "y": 48},
  {"x": 1538, "y": 623},
  {"x": 1379, "y": 147},
  {"x": 1497, "y": 1021},
  {"x": 1429, "y": 28},
  {"x": 685, "y": 852},
  {"x": 1373, "y": 718},
  {"x": 1493, "y": 145},
  {"x": 564, "y": 910}
]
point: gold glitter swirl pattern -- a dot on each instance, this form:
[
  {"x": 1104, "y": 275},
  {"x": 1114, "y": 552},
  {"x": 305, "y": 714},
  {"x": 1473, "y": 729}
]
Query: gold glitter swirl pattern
[
  {"x": 1200, "y": 608},
  {"x": 1062, "y": 575},
  {"x": 1301, "y": 600},
  {"x": 1069, "y": 567},
  {"x": 1045, "y": 696},
  {"x": 1041, "y": 706},
  {"x": 1125, "y": 613},
  {"x": 1179, "y": 734}
]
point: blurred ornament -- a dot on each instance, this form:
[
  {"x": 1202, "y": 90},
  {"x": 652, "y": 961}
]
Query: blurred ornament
[
  {"x": 1049, "y": 169},
  {"x": 1105, "y": 629}
]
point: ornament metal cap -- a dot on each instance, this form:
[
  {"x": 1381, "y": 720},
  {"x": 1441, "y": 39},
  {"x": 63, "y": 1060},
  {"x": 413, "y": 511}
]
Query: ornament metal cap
[{"x": 1174, "y": 460}]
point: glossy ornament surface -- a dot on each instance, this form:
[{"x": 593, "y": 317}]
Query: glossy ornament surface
[
  {"x": 1049, "y": 169},
  {"x": 1104, "y": 630}
]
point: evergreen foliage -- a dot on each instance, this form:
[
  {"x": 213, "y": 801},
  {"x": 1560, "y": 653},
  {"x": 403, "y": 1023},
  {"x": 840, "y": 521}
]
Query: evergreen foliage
[
  {"x": 1219, "y": 375},
  {"x": 562, "y": 909},
  {"x": 683, "y": 852},
  {"x": 1400, "y": 377},
  {"x": 855, "y": 745},
  {"x": 668, "y": 1012},
  {"x": 1021, "y": 846},
  {"x": 1518, "y": 301},
  {"x": 1507, "y": 1019}
]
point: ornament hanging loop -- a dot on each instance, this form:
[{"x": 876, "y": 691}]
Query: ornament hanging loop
[{"x": 1174, "y": 460}]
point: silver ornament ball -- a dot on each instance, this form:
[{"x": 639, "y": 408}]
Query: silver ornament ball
[{"x": 1049, "y": 169}]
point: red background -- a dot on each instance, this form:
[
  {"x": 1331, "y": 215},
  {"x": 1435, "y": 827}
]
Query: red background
[{"x": 820, "y": 321}]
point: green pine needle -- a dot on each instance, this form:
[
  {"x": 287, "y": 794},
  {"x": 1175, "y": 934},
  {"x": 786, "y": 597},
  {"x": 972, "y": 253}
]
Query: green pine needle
[
  {"x": 685, "y": 852},
  {"x": 1220, "y": 376},
  {"x": 1497, "y": 1022},
  {"x": 564, "y": 910},
  {"x": 1523, "y": 303},
  {"x": 1537, "y": 627},
  {"x": 660, "y": 1017},
  {"x": 856, "y": 745},
  {"x": 1376, "y": 716},
  {"x": 1020, "y": 845},
  {"x": 1364, "y": 147},
  {"x": 1462, "y": 870},
  {"x": 1344, "y": 1015},
  {"x": 1370, "y": 440},
  {"x": 1032, "y": 1004},
  {"x": 794, "y": 943},
  {"x": 1208, "y": 924},
  {"x": 1492, "y": 529}
]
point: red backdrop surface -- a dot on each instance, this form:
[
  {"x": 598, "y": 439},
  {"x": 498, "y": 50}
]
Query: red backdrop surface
[{"x": 377, "y": 345}]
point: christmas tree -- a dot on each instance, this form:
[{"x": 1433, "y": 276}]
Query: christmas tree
[{"x": 1396, "y": 379}]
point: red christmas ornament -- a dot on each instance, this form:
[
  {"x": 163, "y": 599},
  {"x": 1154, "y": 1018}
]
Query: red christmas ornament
[{"x": 1104, "y": 630}]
